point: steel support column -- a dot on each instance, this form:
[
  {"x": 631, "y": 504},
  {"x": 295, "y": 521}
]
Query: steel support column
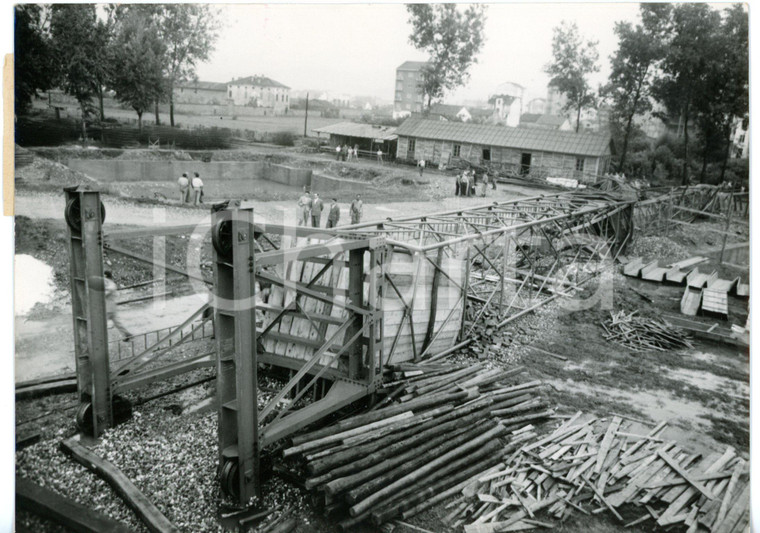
[{"x": 84, "y": 216}]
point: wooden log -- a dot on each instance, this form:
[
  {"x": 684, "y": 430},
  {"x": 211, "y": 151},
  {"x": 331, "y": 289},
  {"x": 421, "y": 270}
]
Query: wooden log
[
  {"x": 337, "y": 437},
  {"x": 327, "y": 463},
  {"x": 448, "y": 380},
  {"x": 451, "y": 474},
  {"x": 527, "y": 405},
  {"x": 393, "y": 450},
  {"x": 148, "y": 513},
  {"x": 44, "y": 502},
  {"x": 408, "y": 462},
  {"x": 414, "y": 475},
  {"x": 414, "y": 421},
  {"x": 430, "y": 502},
  {"x": 380, "y": 414}
]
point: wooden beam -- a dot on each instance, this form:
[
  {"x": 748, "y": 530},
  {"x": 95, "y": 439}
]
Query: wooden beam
[
  {"x": 148, "y": 513},
  {"x": 44, "y": 502}
]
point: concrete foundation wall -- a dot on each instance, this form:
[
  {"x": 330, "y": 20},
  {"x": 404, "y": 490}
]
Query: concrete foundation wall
[
  {"x": 129, "y": 170},
  {"x": 327, "y": 186}
]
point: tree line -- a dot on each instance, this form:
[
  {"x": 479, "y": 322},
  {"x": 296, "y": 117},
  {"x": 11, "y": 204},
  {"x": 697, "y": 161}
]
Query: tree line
[
  {"x": 683, "y": 63},
  {"x": 138, "y": 51}
]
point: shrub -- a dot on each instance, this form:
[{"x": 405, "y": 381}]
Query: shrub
[{"x": 283, "y": 138}]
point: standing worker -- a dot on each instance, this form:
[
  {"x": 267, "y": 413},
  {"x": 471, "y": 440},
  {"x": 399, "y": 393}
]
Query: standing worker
[
  {"x": 184, "y": 188},
  {"x": 379, "y": 156},
  {"x": 109, "y": 285},
  {"x": 337, "y": 153},
  {"x": 356, "y": 209},
  {"x": 316, "y": 211},
  {"x": 304, "y": 208},
  {"x": 334, "y": 215},
  {"x": 198, "y": 188},
  {"x": 421, "y": 164}
]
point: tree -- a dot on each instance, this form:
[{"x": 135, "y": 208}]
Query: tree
[
  {"x": 689, "y": 50},
  {"x": 574, "y": 60},
  {"x": 725, "y": 95},
  {"x": 138, "y": 52},
  {"x": 189, "y": 32},
  {"x": 630, "y": 82},
  {"x": 452, "y": 39},
  {"x": 34, "y": 62},
  {"x": 77, "y": 44}
]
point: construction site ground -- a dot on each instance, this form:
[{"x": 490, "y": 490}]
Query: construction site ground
[{"x": 168, "y": 448}]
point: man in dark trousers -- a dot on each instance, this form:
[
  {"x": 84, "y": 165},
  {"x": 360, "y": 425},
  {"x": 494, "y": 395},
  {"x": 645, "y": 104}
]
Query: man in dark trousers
[
  {"x": 334, "y": 215},
  {"x": 316, "y": 211}
]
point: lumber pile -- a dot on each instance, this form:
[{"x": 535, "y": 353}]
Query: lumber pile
[
  {"x": 598, "y": 466},
  {"x": 641, "y": 334},
  {"x": 440, "y": 429}
]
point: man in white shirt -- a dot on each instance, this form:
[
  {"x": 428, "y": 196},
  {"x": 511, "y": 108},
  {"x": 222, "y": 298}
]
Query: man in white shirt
[
  {"x": 422, "y": 166},
  {"x": 184, "y": 188},
  {"x": 198, "y": 188}
]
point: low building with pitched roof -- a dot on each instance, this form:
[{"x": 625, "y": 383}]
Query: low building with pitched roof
[
  {"x": 538, "y": 152},
  {"x": 259, "y": 91}
]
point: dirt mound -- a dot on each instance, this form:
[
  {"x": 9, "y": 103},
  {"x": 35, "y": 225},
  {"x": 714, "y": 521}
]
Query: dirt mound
[
  {"x": 46, "y": 172},
  {"x": 657, "y": 247}
]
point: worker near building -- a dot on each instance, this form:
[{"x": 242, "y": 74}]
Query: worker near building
[
  {"x": 334, "y": 215},
  {"x": 421, "y": 164},
  {"x": 337, "y": 153},
  {"x": 379, "y": 156},
  {"x": 316, "y": 211},
  {"x": 483, "y": 184},
  {"x": 184, "y": 188},
  {"x": 109, "y": 285},
  {"x": 304, "y": 208},
  {"x": 198, "y": 188},
  {"x": 356, "y": 209}
]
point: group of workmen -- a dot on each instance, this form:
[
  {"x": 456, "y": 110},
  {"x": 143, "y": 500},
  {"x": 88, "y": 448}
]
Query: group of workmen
[
  {"x": 310, "y": 207},
  {"x": 184, "y": 188},
  {"x": 468, "y": 183}
]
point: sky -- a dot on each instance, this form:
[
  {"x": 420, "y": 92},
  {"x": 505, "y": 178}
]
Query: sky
[{"x": 355, "y": 48}]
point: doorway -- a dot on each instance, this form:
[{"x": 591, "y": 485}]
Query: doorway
[{"x": 525, "y": 163}]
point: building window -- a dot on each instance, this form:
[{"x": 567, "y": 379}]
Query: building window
[
  {"x": 457, "y": 150},
  {"x": 486, "y": 154},
  {"x": 739, "y": 152},
  {"x": 741, "y": 138},
  {"x": 412, "y": 145},
  {"x": 579, "y": 162}
]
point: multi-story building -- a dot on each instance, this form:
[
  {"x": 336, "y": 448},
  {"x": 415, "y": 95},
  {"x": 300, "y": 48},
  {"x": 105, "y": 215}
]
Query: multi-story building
[
  {"x": 200, "y": 92},
  {"x": 408, "y": 94},
  {"x": 259, "y": 91},
  {"x": 740, "y": 139},
  {"x": 507, "y": 102}
]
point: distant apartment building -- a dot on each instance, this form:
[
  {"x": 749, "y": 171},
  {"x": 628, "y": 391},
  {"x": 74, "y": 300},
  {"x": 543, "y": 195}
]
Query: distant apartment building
[
  {"x": 408, "y": 94},
  {"x": 259, "y": 91},
  {"x": 200, "y": 92},
  {"x": 536, "y": 106},
  {"x": 507, "y": 102},
  {"x": 740, "y": 139}
]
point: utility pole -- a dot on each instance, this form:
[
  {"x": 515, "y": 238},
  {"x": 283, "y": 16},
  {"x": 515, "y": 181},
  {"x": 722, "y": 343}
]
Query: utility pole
[{"x": 306, "y": 115}]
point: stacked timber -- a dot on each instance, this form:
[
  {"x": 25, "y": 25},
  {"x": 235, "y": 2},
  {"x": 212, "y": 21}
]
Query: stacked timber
[
  {"x": 441, "y": 428},
  {"x": 640, "y": 334},
  {"x": 597, "y": 466}
]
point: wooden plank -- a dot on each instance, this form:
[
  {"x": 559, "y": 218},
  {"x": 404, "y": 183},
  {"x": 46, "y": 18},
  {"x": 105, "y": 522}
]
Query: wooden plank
[
  {"x": 646, "y": 269},
  {"x": 738, "y": 468},
  {"x": 734, "y": 515},
  {"x": 690, "y": 262},
  {"x": 691, "y": 301},
  {"x": 155, "y": 521},
  {"x": 686, "y": 475},
  {"x": 633, "y": 267},
  {"x": 606, "y": 443},
  {"x": 44, "y": 502}
]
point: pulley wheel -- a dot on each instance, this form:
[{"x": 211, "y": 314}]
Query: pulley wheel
[
  {"x": 84, "y": 418},
  {"x": 230, "y": 478},
  {"x": 73, "y": 214},
  {"x": 221, "y": 238}
]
